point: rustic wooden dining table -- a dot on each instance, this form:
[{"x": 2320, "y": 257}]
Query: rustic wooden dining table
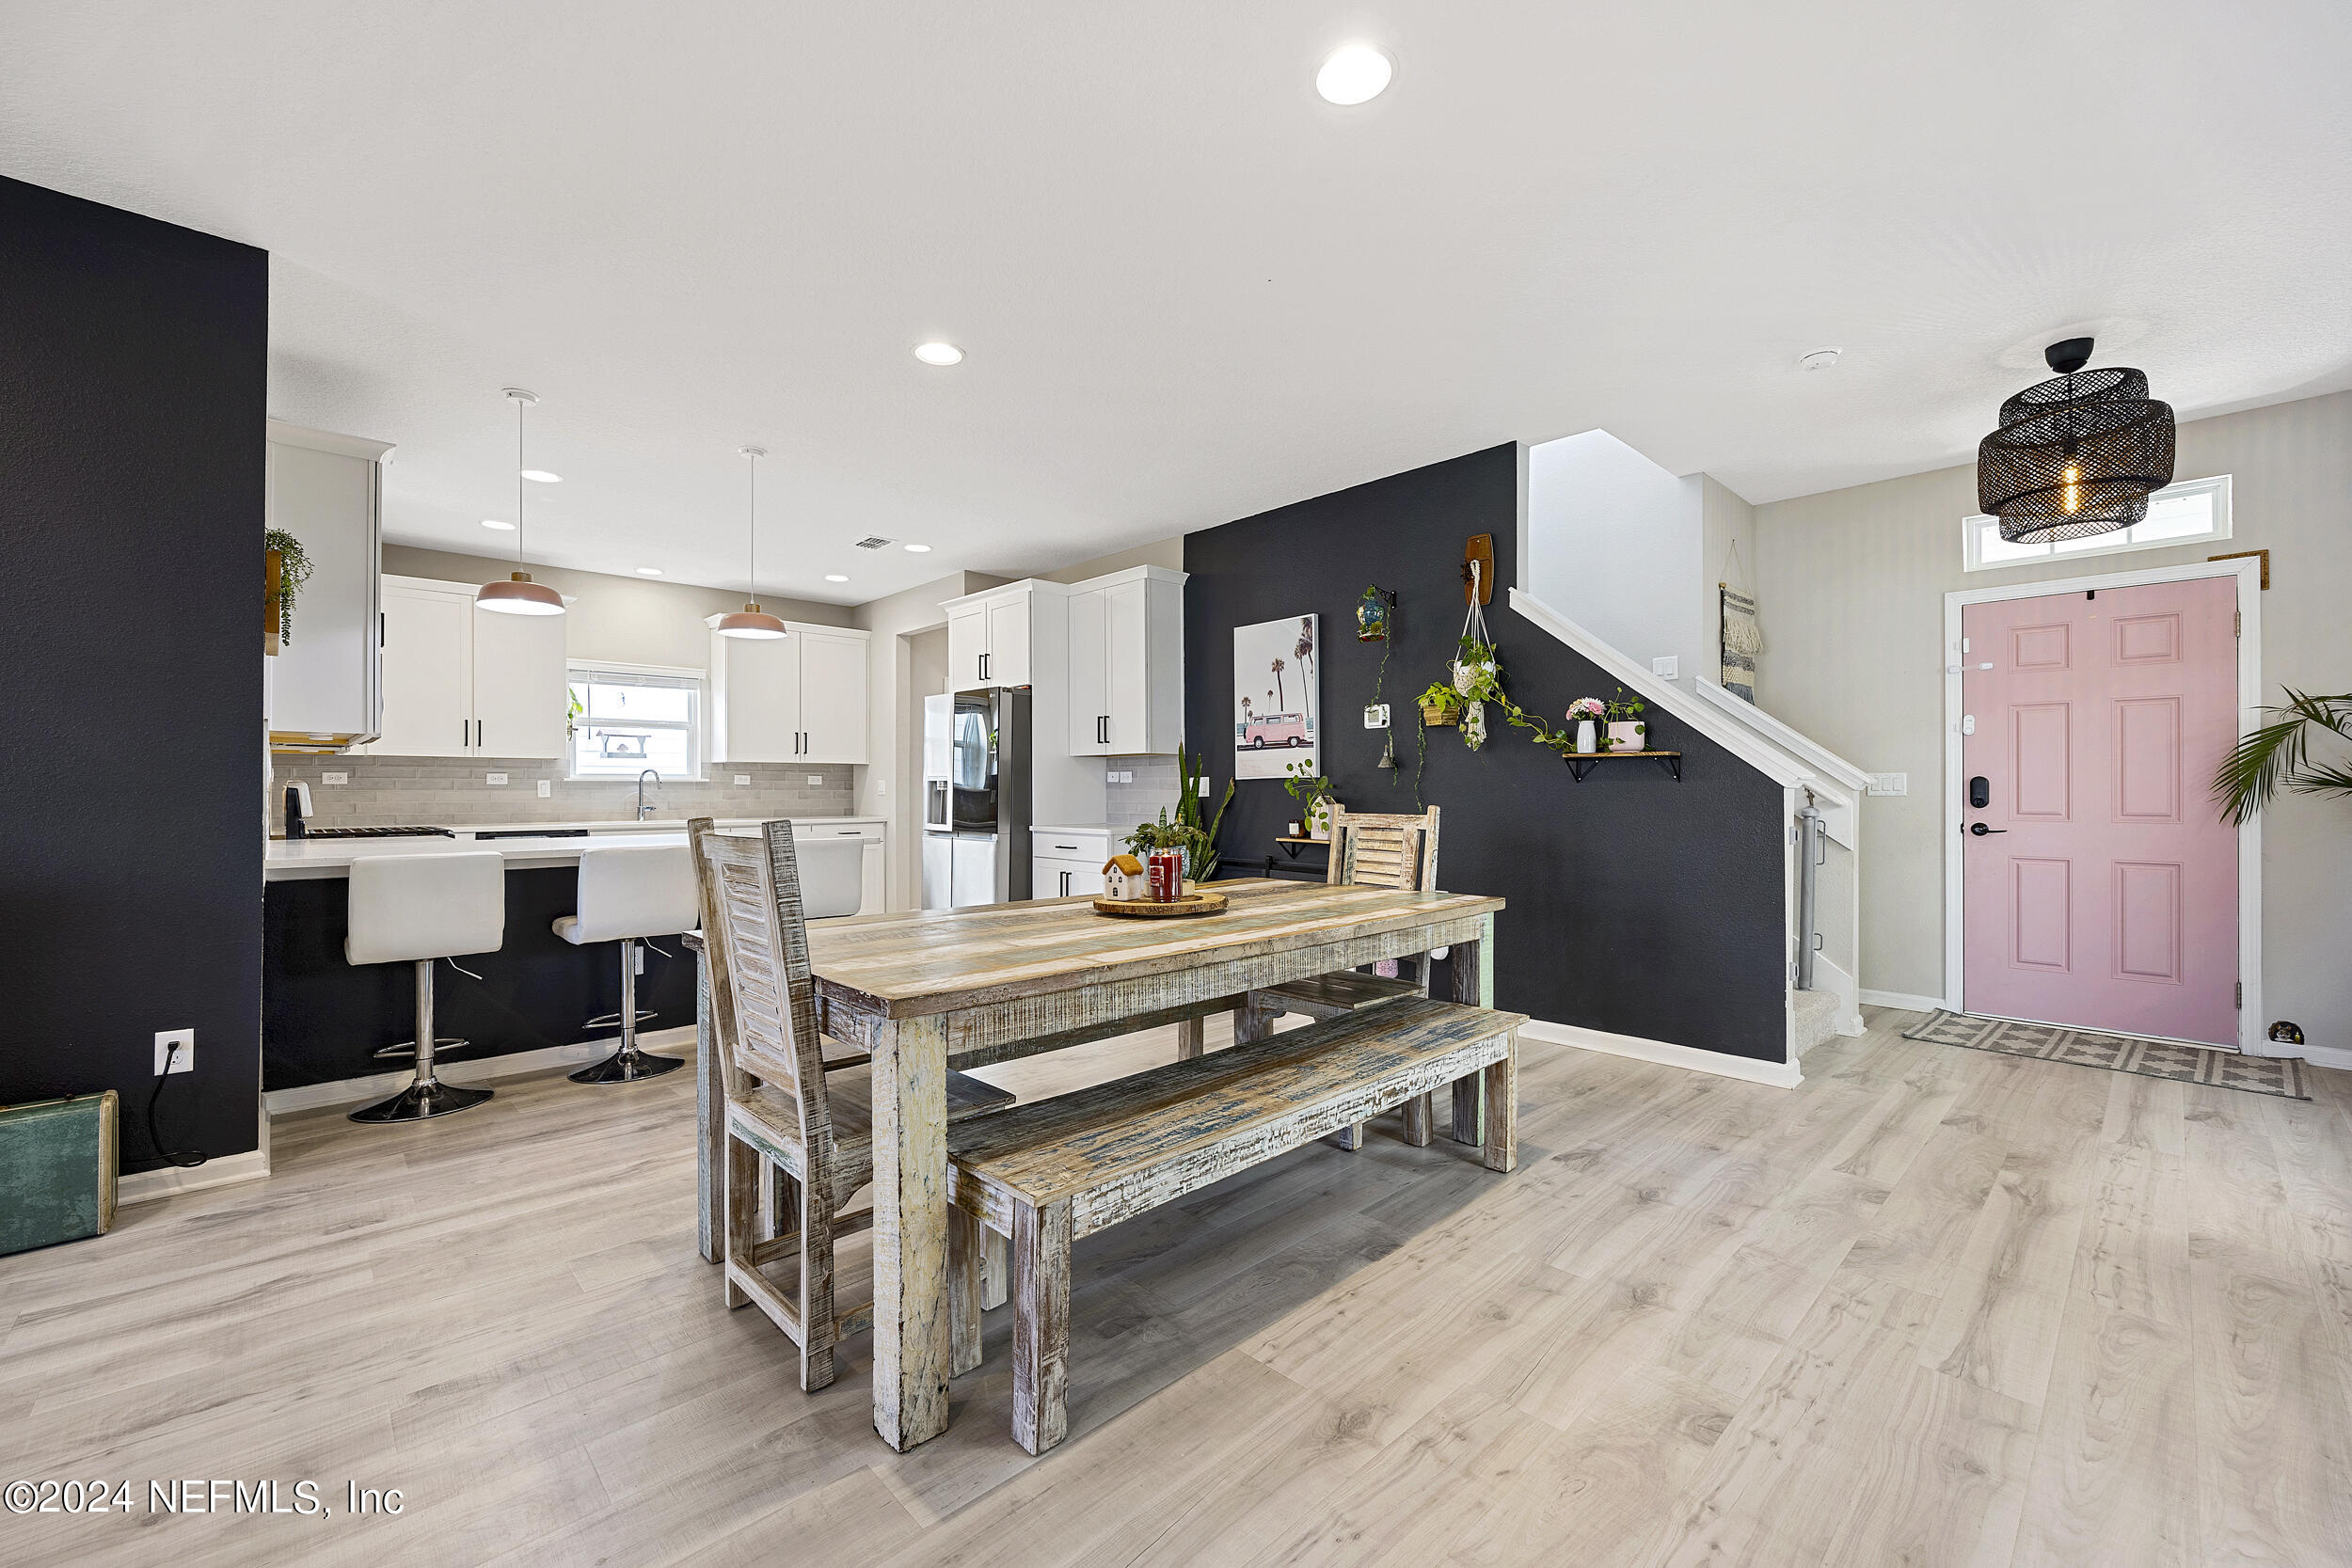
[{"x": 929, "y": 991}]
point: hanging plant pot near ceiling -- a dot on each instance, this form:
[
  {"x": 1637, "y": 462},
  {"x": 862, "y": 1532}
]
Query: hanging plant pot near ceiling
[{"x": 2076, "y": 455}]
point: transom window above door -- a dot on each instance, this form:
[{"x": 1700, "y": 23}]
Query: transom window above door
[
  {"x": 626, "y": 718},
  {"x": 2189, "y": 513}
]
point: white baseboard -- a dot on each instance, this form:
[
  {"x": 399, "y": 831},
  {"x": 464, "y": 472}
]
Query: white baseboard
[
  {"x": 2335, "y": 1056},
  {"x": 1779, "y": 1075},
  {"x": 1903, "y": 1000},
  {"x": 487, "y": 1070},
  {"x": 145, "y": 1187}
]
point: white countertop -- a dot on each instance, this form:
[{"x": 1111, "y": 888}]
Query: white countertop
[
  {"x": 1070, "y": 828},
  {"x": 312, "y": 860}
]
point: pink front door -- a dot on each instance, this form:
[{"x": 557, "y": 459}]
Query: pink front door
[{"x": 2102, "y": 891}]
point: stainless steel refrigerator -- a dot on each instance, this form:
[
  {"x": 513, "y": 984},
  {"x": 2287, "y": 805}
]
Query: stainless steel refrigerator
[{"x": 975, "y": 798}]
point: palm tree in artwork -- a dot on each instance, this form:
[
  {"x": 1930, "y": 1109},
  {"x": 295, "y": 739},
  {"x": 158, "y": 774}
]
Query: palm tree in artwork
[
  {"x": 1280, "y": 691},
  {"x": 1305, "y": 649}
]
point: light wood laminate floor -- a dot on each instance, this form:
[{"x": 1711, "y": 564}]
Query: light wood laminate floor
[{"x": 1934, "y": 1307}]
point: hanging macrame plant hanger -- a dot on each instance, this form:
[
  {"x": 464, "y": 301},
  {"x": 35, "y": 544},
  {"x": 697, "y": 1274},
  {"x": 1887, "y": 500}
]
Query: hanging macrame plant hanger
[{"x": 1466, "y": 679}]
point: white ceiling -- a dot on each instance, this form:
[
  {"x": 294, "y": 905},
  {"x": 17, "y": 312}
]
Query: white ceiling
[{"x": 1189, "y": 288}]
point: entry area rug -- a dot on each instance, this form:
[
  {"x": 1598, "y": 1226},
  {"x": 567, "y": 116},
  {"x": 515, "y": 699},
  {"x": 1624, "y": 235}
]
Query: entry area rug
[{"x": 2051, "y": 1042}]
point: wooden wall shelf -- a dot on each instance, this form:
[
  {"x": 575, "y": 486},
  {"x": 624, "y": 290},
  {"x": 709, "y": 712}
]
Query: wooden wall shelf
[{"x": 1581, "y": 763}]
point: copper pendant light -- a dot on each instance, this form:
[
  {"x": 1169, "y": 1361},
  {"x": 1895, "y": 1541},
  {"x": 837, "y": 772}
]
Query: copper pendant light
[
  {"x": 519, "y": 594},
  {"x": 750, "y": 622},
  {"x": 2076, "y": 455}
]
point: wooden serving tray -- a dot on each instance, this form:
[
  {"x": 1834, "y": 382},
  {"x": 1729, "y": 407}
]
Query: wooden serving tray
[{"x": 1193, "y": 903}]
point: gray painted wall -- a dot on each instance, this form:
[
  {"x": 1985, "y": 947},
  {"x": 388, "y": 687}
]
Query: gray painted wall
[{"x": 1853, "y": 585}]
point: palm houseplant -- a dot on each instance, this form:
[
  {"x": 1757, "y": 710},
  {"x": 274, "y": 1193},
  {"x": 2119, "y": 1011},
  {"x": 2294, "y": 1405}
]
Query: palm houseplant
[{"x": 2278, "y": 757}]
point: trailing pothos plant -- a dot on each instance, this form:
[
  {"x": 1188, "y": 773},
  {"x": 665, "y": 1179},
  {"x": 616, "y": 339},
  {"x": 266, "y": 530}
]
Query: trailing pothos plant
[
  {"x": 294, "y": 570},
  {"x": 1478, "y": 680}
]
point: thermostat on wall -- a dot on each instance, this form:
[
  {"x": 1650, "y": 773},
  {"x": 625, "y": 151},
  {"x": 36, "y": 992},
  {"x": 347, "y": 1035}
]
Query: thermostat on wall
[{"x": 1376, "y": 716}]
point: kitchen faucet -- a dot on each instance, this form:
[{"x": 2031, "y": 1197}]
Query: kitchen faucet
[{"x": 643, "y": 810}]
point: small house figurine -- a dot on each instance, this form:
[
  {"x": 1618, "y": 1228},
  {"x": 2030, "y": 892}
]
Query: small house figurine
[{"x": 1123, "y": 877}]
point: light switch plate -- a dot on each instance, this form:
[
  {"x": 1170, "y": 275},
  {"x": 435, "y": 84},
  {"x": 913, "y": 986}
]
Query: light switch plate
[
  {"x": 186, "y": 1060},
  {"x": 1127, "y": 776},
  {"x": 498, "y": 778},
  {"x": 335, "y": 778},
  {"x": 1889, "y": 783},
  {"x": 546, "y": 788},
  {"x": 1666, "y": 667}
]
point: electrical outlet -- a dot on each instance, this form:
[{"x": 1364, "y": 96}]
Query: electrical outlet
[
  {"x": 1666, "y": 667},
  {"x": 546, "y": 788},
  {"x": 1110, "y": 775},
  {"x": 498, "y": 778},
  {"x": 1127, "y": 776},
  {"x": 815, "y": 780},
  {"x": 742, "y": 778},
  {"x": 334, "y": 778},
  {"x": 184, "y": 1060},
  {"x": 1889, "y": 783}
]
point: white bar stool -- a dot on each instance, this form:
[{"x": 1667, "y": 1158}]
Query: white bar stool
[
  {"x": 420, "y": 909},
  {"x": 629, "y": 891}
]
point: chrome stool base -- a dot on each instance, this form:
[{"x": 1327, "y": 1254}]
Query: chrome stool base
[
  {"x": 421, "y": 1102},
  {"x": 427, "y": 1096},
  {"x": 626, "y": 1066}
]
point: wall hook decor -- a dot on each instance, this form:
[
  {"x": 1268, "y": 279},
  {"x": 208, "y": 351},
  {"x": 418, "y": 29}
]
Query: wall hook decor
[{"x": 1478, "y": 587}]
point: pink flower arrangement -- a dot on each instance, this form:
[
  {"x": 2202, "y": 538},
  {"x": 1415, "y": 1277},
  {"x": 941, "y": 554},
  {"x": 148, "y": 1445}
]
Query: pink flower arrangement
[{"x": 1587, "y": 707}]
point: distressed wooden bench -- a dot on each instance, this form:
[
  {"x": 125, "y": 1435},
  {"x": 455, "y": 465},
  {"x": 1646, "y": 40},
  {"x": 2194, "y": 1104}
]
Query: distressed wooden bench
[{"x": 1051, "y": 1172}]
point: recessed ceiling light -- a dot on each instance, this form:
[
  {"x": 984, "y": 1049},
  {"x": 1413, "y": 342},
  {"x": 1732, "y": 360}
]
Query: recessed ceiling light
[
  {"x": 1819, "y": 360},
  {"x": 540, "y": 476},
  {"x": 919, "y": 549},
  {"x": 1355, "y": 73},
  {"x": 939, "y": 354},
  {"x": 648, "y": 571},
  {"x": 835, "y": 577},
  {"x": 493, "y": 522}
]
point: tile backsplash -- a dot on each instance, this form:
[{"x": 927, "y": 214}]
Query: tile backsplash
[
  {"x": 1139, "y": 798},
  {"x": 454, "y": 792}
]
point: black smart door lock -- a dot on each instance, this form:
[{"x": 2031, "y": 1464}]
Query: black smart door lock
[{"x": 1979, "y": 792}]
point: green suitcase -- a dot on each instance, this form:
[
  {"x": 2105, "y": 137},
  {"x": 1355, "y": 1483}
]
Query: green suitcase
[{"x": 57, "y": 1162}]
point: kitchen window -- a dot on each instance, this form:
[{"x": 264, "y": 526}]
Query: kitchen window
[
  {"x": 626, "y": 718},
  {"x": 2192, "y": 512}
]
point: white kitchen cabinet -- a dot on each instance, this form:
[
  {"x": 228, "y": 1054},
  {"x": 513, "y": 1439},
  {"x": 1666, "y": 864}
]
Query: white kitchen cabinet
[
  {"x": 833, "y": 697},
  {"x": 520, "y": 678},
  {"x": 1059, "y": 879},
  {"x": 326, "y": 490},
  {"x": 428, "y": 671},
  {"x": 1126, "y": 663},
  {"x": 461, "y": 682},
  {"x": 1067, "y": 862},
  {"x": 967, "y": 648},
  {"x": 799, "y": 698},
  {"x": 990, "y": 637}
]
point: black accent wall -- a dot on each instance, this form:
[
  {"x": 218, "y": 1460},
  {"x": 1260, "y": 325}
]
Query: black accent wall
[
  {"x": 1638, "y": 906},
  {"x": 133, "y": 377}
]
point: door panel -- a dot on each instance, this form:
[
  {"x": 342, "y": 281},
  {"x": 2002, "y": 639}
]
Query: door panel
[
  {"x": 1089, "y": 682},
  {"x": 833, "y": 698},
  {"x": 427, "y": 653},
  {"x": 2104, "y": 894},
  {"x": 519, "y": 693}
]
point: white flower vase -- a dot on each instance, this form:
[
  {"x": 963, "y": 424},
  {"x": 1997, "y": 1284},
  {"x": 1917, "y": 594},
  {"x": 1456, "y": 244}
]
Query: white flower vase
[
  {"x": 1319, "y": 820},
  {"x": 1588, "y": 736}
]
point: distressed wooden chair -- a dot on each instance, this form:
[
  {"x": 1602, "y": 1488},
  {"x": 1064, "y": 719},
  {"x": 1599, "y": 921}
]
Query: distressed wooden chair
[
  {"x": 798, "y": 1137},
  {"x": 1370, "y": 849}
]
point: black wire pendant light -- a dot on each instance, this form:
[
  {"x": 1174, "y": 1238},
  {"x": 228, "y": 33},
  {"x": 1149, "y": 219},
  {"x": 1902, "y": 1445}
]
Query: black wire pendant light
[{"x": 2077, "y": 455}]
